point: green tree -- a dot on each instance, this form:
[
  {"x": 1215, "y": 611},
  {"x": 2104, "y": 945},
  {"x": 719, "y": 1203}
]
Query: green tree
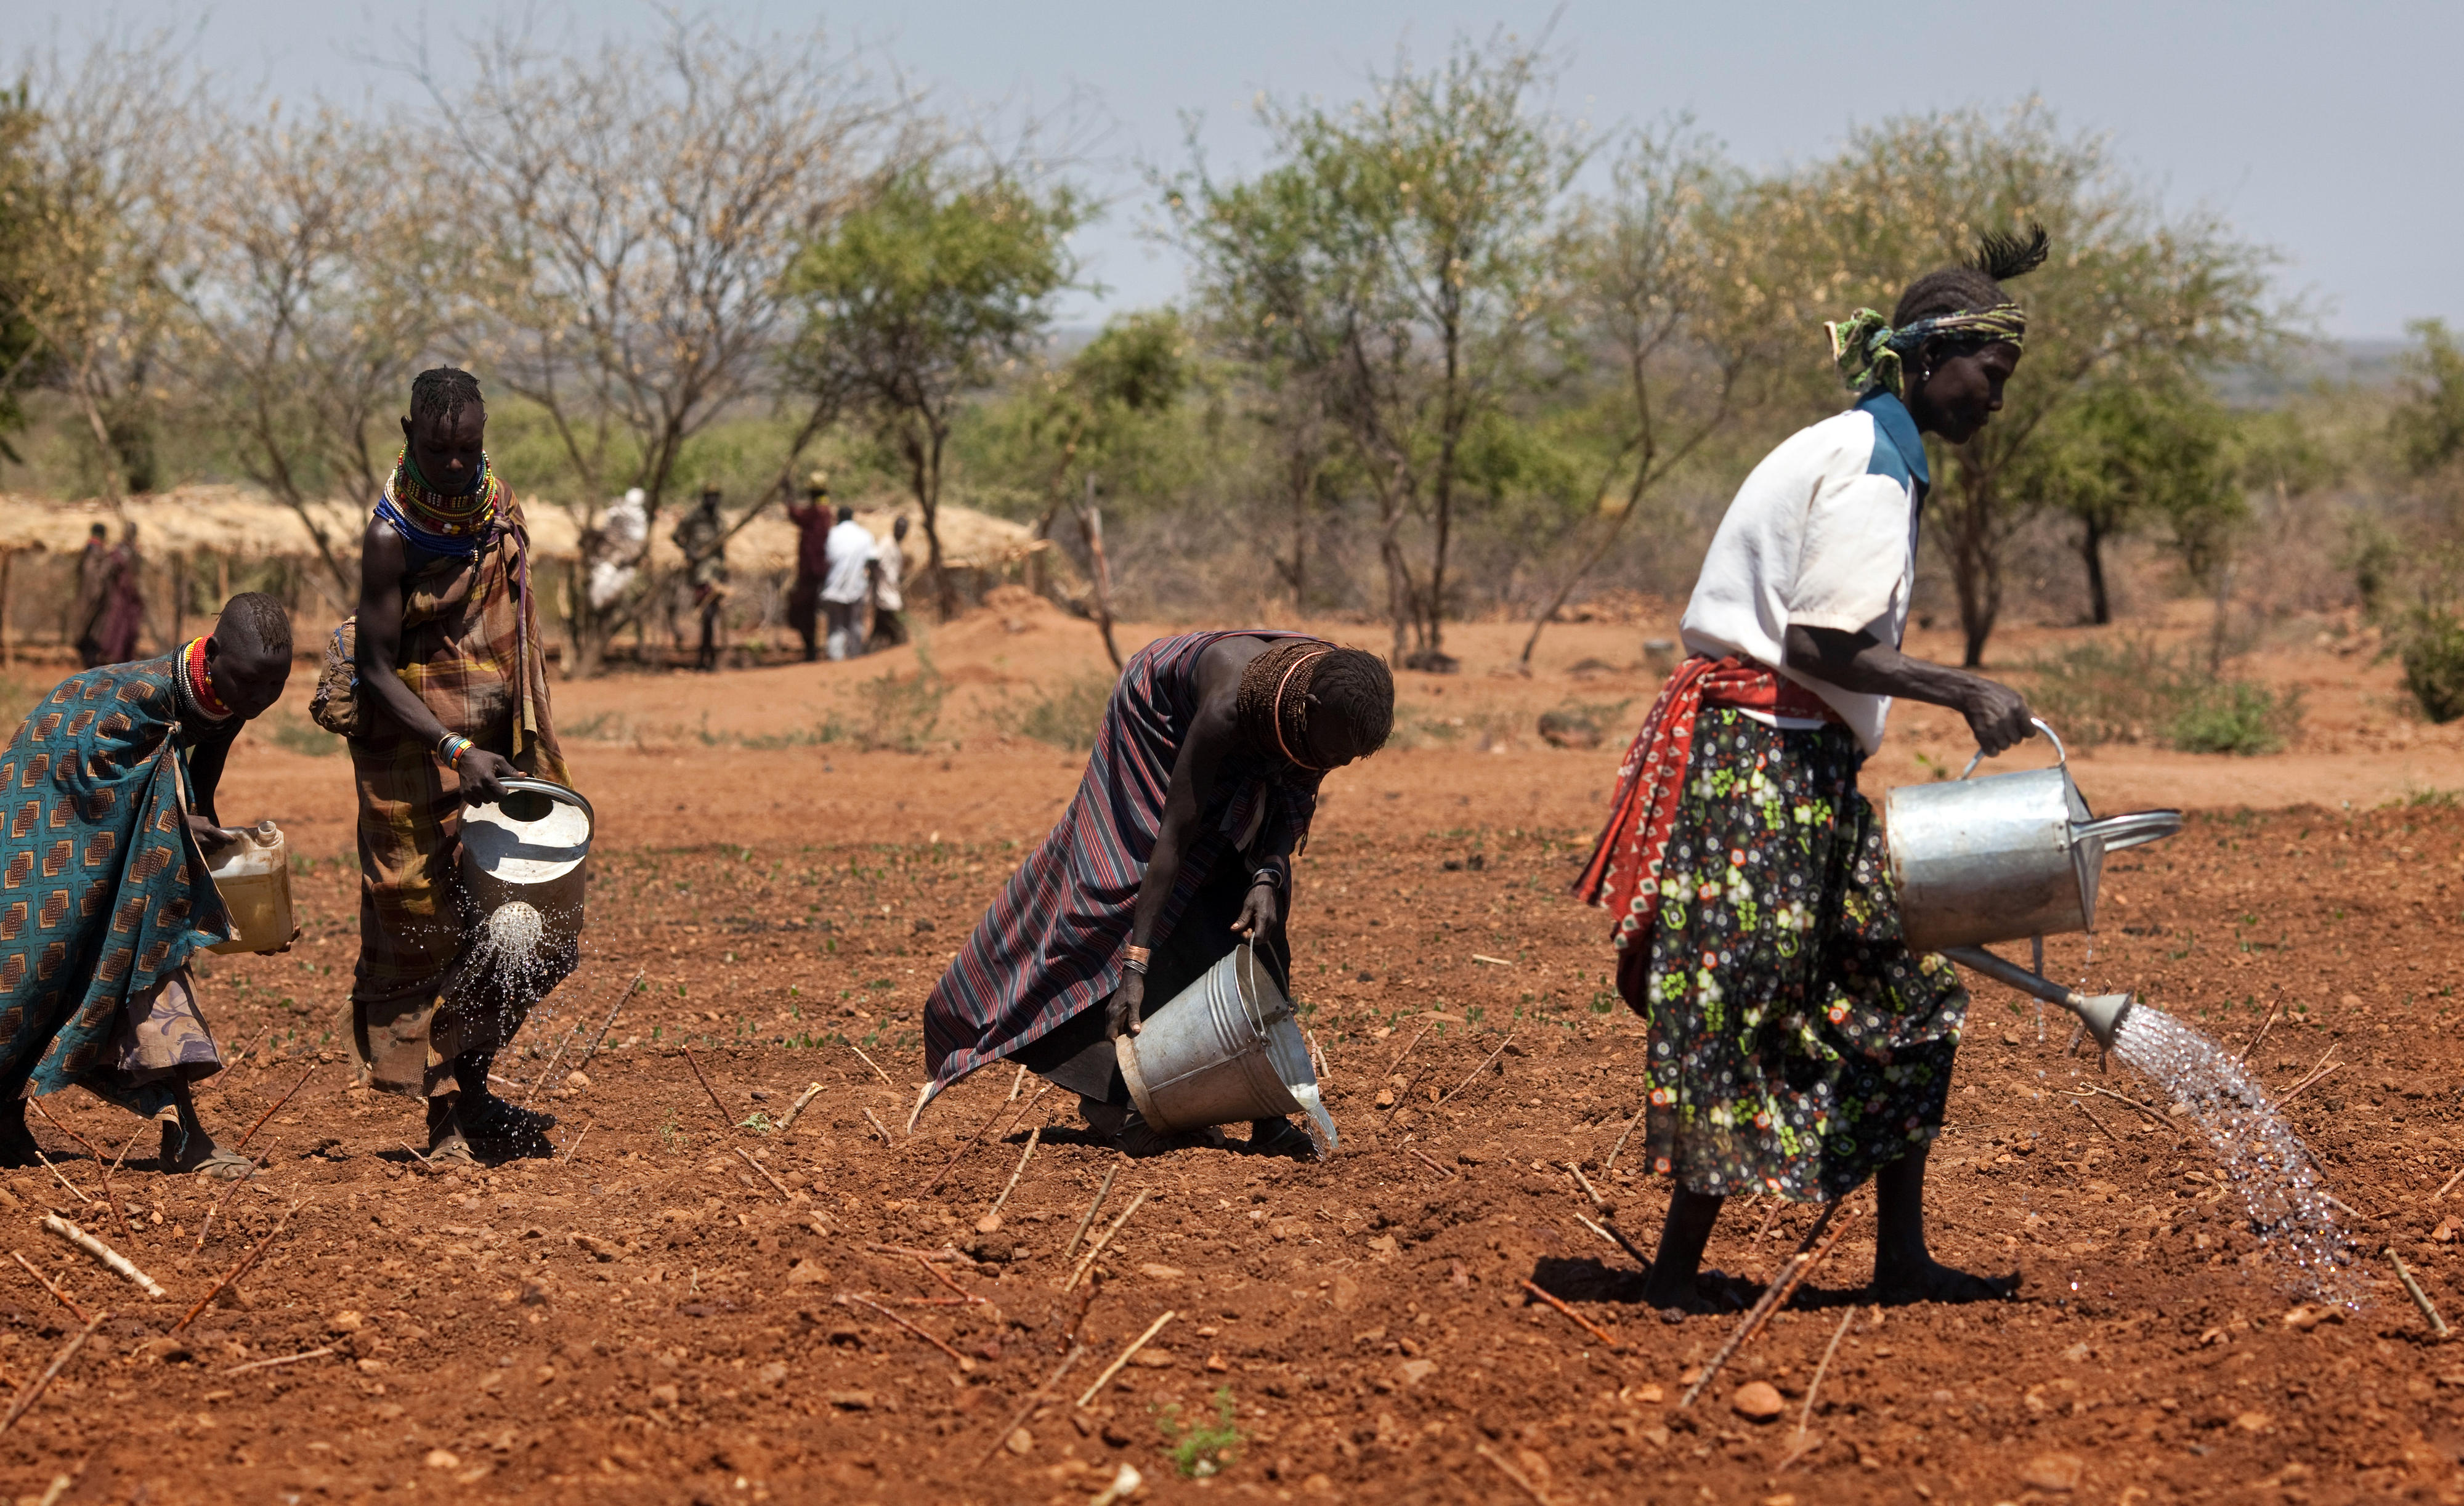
[
  {"x": 2428, "y": 425},
  {"x": 921, "y": 297},
  {"x": 2133, "y": 293},
  {"x": 1402, "y": 254},
  {"x": 20, "y": 347}
]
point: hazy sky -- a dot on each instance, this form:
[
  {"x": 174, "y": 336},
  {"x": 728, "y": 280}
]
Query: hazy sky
[{"x": 2316, "y": 128}]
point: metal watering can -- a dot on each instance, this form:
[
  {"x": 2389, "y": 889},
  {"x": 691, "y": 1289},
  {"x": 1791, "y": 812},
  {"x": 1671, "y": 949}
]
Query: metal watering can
[
  {"x": 2007, "y": 857},
  {"x": 1225, "y": 1049},
  {"x": 527, "y": 850}
]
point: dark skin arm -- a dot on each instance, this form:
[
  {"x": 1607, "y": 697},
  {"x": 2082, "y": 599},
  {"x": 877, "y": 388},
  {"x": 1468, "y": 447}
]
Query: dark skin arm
[
  {"x": 385, "y": 562},
  {"x": 1213, "y": 736},
  {"x": 205, "y": 773}
]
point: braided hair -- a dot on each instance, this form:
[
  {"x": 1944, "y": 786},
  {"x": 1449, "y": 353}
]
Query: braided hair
[
  {"x": 442, "y": 391},
  {"x": 1976, "y": 283},
  {"x": 1348, "y": 691}
]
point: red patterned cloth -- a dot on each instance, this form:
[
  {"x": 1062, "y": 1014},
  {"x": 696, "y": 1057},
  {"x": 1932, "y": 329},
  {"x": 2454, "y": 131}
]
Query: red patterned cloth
[{"x": 1624, "y": 869}]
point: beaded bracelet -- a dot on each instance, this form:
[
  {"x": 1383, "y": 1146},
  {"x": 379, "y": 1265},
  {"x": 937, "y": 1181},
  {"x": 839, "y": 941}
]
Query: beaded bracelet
[{"x": 452, "y": 747}]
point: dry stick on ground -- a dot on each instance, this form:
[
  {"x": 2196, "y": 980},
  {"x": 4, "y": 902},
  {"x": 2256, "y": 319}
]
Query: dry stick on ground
[
  {"x": 808, "y": 1095},
  {"x": 1585, "y": 1182},
  {"x": 1032, "y": 1140},
  {"x": 120, "y": 1264},
  {"x": 288, "y": 1359},
  {"x": 549, "y": 1071},
  {"x": 1431, "y": 1163},
  {"x": 566, "y": 1159},
  {"x": 1136, "y": 1345},
  {"x": 2306, "y": 1081},
  {"x": 880, "y": 1128},
  {"x": 228, "y": 1078},
  {"x": 966, "y": 1364},
  {"x": 2420, "y": 1298},
  {"x": 1587, "y": 1325},
  {"x": 943, "y": 1276},
  {"x": 101, "y": 1170},
  {"x": 1814, "y": 1387},
  {"x": 1101, "y": 1192},
  {"x": 1087, "y": 1261},
  {"x": 2264, "y": 1026},
  {"x": 1610, "y": 1233},
  {"x": 233, "y": 1186},
  {"x": 237, "y": 1270},
  {"x": 1610, "y": 1165},
  {"x": 1521, "y": 1481},
  {"x": 242, "y": 1142},
  {"x": 57, "y": 1295},
  {"x": 869, "y": 1063},
  {"x": 1324, "y": 1077},
  {"x": 74, "y": 1189},
  {"x": 2097, "y": 1122},
  {"x": 609, "y": 1023},
  {"x": 723, "y": 1119},
  {"x": 59, "y": 1362},
  {"x": 1808, "y": 1255},
  {"x": 1477, "y": 1070},
  {"x": 765, "y": 1175},
  {"x": 1034, "y": 1398},
  {"x": 969, "y": 1142},
  {"x": 2446, "y": 1187},
  {"x": 417, "y": 1154},
  {"x": 1405, "y": 1052},
  {"x": 1017, "y": 1085},
  {"x": 2161, "y": 1121}
]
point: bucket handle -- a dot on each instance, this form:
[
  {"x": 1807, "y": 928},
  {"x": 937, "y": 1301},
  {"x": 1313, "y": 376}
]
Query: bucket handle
[
  {"x": 1263, "y": 1019},
  {"x": 522, "y": 783},
  {"x": 2061, "y": 754}
]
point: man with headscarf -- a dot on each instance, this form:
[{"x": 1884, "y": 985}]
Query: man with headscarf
[
  {"x": 1178, "y": 848},
  {"x": 1797, "y": 1046}
]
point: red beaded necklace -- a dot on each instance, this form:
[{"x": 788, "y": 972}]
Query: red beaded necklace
[{"x": 201, "y": 681}]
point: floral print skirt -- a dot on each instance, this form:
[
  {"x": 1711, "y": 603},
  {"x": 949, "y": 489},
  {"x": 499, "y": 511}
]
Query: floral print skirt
[{"x": 1796, "y": 1045}]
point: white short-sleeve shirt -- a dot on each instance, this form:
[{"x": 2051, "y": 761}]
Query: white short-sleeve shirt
[
  {"x": 850, "y": 548},
  {"x": 1823, "y": 534}
]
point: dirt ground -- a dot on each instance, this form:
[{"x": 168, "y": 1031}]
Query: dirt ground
[{"x": 668, "y": 1311}]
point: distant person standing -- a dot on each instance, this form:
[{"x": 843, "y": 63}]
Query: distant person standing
[
  {"x": 93, "y": 594},
  {"x": 813, "y": 522},
  {"x": 851, "y": 551},
  {"x": 889, "y": 607},
  {"x": 123, "y": 603},
  {"x": 616, "y": 548},
  {"x": 704, "y": 543}
]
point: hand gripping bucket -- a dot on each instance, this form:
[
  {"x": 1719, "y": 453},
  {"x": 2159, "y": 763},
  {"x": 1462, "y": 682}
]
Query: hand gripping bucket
[{"x": 1227, "y": 1049}]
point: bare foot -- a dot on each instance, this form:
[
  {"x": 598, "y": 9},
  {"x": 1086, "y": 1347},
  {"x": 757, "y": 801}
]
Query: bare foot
[{"x": 1929, "y": 1280}]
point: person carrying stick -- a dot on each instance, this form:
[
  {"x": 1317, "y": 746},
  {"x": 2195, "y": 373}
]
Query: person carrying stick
[
  {"x": 103, "y": 890},
  {"x": 1796, "y": 1045}
]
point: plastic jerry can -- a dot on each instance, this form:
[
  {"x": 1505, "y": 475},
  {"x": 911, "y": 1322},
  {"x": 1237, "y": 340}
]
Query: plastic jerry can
[{"x": 253, "y": 876}]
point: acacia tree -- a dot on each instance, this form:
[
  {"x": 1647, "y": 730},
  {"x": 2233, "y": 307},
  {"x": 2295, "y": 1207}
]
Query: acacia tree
[
  {"x": 20, "y": 347},
  {"x": 1402, "y": 254},
  {"x": 920, "y": 298},
  {"x": 307, "y": 285},
  {"x": 636, "y": 210},
  {"x": 2132, "y": 294}
]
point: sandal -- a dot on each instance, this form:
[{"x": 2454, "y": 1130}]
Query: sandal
[{"x": 1280, "y": 1137}]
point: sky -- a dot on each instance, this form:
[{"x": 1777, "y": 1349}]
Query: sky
[{"x": 2327, "y": 132}]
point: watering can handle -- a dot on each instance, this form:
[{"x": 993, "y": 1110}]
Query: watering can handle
[
  {"x": 2061, "y": 754},
  {"x": 519, "y": 783}
]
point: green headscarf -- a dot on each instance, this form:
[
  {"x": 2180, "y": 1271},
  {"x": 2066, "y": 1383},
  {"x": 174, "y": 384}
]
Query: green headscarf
[{"x": 1870, "y": 354}]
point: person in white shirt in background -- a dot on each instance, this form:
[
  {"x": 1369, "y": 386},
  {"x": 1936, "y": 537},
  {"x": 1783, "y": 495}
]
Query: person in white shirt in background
[
  {"x": 616, "y": 552},
  {"x": 850, "y": 550},
  {"x": 889, "y": 605},
  {"x": 1797, "y": 1046}
]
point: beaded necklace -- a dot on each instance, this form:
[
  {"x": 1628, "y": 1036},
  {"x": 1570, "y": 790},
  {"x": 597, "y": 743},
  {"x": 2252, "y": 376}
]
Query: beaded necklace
[
  {"x": 201, "y": 682},
  {"x": 458, "y": 524}
]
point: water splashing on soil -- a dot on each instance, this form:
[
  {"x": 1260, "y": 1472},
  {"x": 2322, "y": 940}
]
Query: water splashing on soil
[{"x": 2263, "y": 1162}]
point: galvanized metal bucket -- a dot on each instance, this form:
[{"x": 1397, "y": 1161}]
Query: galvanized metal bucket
[
  {"x": 531, "y": 848},
  {"x": 2005, "y": 857},
  {"x": 1225, "y": 1049}
]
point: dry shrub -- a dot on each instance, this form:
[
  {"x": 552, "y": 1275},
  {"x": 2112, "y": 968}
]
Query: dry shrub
[{"x": 2132, "y": 691}]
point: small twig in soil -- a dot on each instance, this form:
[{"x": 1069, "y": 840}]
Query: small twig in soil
[
  {"x": 566, "y": 1159},
  {"x": 806, "y": 1097},
  {"x": 237, "y": 1270},
  {"x": 2448, "y": 1186},
  {"x": 1034, "y": 1398},
  {"x": 764, "y": 1173},
  {"x": 1773, "y": 1217},
  {"x": 288, "y": 1359},
  {"x": 1087, "y": 1261},
  {"x": 1586, "y": 1324},
  {"x": 74, "y": 1189},
  {"x": 120, "y": 1264},
  {"x": 417, "y": 1154},
  {"x": 2314, "y": 1077},
  {"x": 2264, "y": 1026},
  {"x": 943, "y": 1276},
  {"x": 725, "y": 1120},
  {"x": 1391, "y": 1066},
  {"x": 971, "y": 1142},
  {"x": 1017, "y": 1085},
  {"x": 1136, "y": 1345},
  {"x": 993, "y": 1214},
  {"x": 1814, "y": 1387},
  {"x": 233, "y": 1186},
  {"x": 1585, "y": 1182},
  {"x": 59, "y": 1362},
  {"x": 549, "y": 1071},
  {"x": 241, "y": 1144},
  {"x": 1522, "y": 1482},
  {"x": 945, "y": 1253},
  {"x": 869, "y": 1063},
  {"x": 879, "y": 1128},
  {"x": 228, "y": 1073},
  {"x": 1101, "y": 1192},
  {"x": 966, "y": 1364},
  {"x": 1325, "y": 1077},
  {"x": 2097, "y": 1122},
  {"x": 1432, "y": 1163},
  {"x": 101, "y": 1170},
  {"x": 1808, "y": 1255},
  {"x": 609, "y": 1023},
  {"x": 1610, "y": 1165},
  {"x": 57, "y": 1295},
  {"x": 1610, "y": 1233},
  {"x": 1477, "y": 1070},
  {"x": 2420, "y": 1298}
]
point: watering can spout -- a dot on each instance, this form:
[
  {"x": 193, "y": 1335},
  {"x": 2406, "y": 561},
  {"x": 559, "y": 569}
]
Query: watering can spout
[{"x": 2102, "y": 1012}]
